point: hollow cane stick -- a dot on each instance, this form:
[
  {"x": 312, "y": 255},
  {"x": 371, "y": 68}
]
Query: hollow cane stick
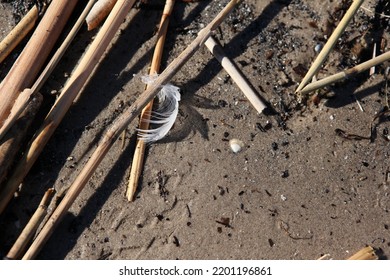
[
  {"x": 65, "y": 100},
  {"x": 330, "y": 44},
  {"x": 138, "y": 158},
  {"x": 18, "y": 33},
  {"x": 216, "y": 49},
  {"x": 28, "y": 232},
  {"x": 118, "y": 126}
]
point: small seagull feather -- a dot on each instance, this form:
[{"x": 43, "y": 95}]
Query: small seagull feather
[{"x": 166, "y": 113}]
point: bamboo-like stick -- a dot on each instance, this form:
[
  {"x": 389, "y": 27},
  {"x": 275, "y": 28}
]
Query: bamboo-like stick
[
  {"x": 330, "y": 44},
  {"x": 10, "y": 144},
  {"x": 346, "y": 73},
  {"x": 23, "y": 98},
  {"x": 138, "y": 158},
  {"x": 64, "y": 101},
  {"x": 217, "y": 50},
  {"x": 367, "y": 253},
  {"x": 18, "y": 33},
  {"x": 118, "y": 126},
  {"x": 33, "y": 56},
  {"x": 99, "y": 11},
  {"x": 28, "y": 232}
]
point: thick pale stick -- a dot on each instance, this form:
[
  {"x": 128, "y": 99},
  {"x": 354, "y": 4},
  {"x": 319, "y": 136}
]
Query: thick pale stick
[
  {"x": 346, "y": 73},
  {"x": 138, "y": 158},
  {"x": 10, "y": 144},
  {"x": 367, "y": 253},
  {"x": 99, "y": 11},
  {"x": 23, "y": 98},
  {"x": 18, "y": 33},
  {"x": 330, "y": 44},
  {"x": 64, "y": 101},
  {"x": 118, "y": 126},
  {"x": 30, "y": 61},
  {"x": 217, "y": 50},
  {"x": 28, "y": 232}
]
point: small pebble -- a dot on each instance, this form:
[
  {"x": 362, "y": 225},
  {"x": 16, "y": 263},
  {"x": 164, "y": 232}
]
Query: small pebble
[
  {"x": 318, "y": 48},
  {"x": 236, "y": 145}
]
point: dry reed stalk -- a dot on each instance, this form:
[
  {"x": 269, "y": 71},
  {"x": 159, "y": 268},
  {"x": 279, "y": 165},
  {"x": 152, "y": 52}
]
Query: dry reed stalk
[
  {"x": 217, "y": 50},
  {"x": 118, "y": 126},
  {"x": 139, "y": 153},
  {"x": 330, "y": 44},
  {"x": 33, "y": 56},
  {"x": 372, "y": 69},
  {"x": 64, "y": 101},
  {"x": 346, "y": 73},
  {"x": 29, "y": 230},
  {"x": 18, "y": 33},
  {"x": 24, "y": 97},
  {"x": 367, "y": 253},
  {"x": 10, "y": 144},
  {"x": 99, "y": 11}
]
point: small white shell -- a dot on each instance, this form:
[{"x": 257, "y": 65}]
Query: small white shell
[{"x": 236, "y": 145}]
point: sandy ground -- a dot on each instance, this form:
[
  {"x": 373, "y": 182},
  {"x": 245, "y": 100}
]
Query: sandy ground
[{"x": 297, "y": 190}]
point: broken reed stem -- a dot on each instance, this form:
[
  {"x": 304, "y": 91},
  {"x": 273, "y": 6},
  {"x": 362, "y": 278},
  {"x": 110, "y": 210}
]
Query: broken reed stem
[
  {"x": 11, "y": 143},
  {"x": 34, "y": 54},
  {"x": 28, "y": 232},
  {"x": 330, "y": 44},
  {"x": 139, "y": 153},
  {"x": 18, "y": 33},
  {"x": 25, "y": 97},
  {"x": 99, "y": 11},
  {"x": 367, "y": 253},
  {"x": 65, "y": 100},
  {"x": 346, "y": 73},
  {"x": 217, "y": 50},
  {"x": 118, "y": 126}
]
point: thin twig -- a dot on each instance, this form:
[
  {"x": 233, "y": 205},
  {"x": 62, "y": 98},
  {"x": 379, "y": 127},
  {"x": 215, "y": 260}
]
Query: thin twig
[
  {"x": 28, "y": 232},
  {"x": 65, "y": 100},
  {"x": 378, "y": 14},
  {"x": 217, "y": 50},
  {"x": 346, "y": 73},
  {"x": 138, "y": 158},
  {"x": 118, "y": 126},
  {"x": 330, "y": 44},
  {"x": 372, "y": 69},
  {"x": 18, "y": 33},
  {"x": 386, "y": 74}
]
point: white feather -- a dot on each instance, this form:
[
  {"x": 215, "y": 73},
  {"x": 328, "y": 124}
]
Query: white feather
[{"x": 165, "y": 115}]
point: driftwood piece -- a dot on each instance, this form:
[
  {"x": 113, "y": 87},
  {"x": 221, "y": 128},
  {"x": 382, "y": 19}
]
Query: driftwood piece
[
  {"x": 18, "y": 33},
  {"x": 33, "y": 56},
  {"x": 10, "y": 144},
  {"x": 118, "y": 126}
]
